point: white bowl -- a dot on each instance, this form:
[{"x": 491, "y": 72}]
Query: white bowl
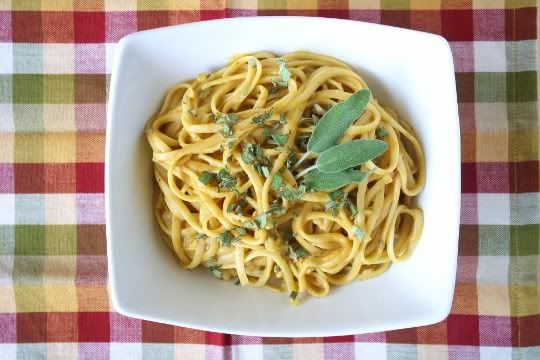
[{"x": 408, "y": 70}]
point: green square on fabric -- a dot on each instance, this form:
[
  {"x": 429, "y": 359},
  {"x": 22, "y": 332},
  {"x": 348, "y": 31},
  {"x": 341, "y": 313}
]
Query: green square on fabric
[
  {"x": 513, "y": 4},
  {"x": 61, "y": 239},
  {"x": 490, "y": 87},
  {"x": 524, "y": 239},
  {"x": 7, "y": 239},
  {"x": 271, "y": 4},
  {"x": 27, "y": 88},
  {"x": 522, "y": 270},
  {"x": 522, "y": 115},
  {"x": 29, "y": 239},
  {"x": 59, "y": 89},
  {"x": 28, "y": 269},
  {"x": 152, "y": 4},
  {"x": 493, "y": 240},
  {"x": 26, "y": 5},
  {"x": 395, "y": 4},
  {"x": 6, "y": 88},
  {"x": 521, "y": 86}
]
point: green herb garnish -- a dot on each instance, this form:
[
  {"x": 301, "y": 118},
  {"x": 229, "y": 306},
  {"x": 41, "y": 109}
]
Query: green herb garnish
[
  {"x": 276, "y": 182},
  {"x": 349, "y": 155},
  {"x": 317, "y": 180},
  {"x": 203, "y": 94},
  {"x": 226, "y": 180},
  {"x": 262, "y": 220},
  {"x": 381, "y": 132},
  {"x": 358, "y": 233},
  {"x": 293, "y": 295},
  {"x": 226, "y": 238},
  {"x": 206, "y": 177},
  {"x": 336, "y": 120},
  {"x": 252, "y": 62},
  {"x": 214, "y": 269},
  {"x": 297, "y": 251},
  {"x": 283, "y": 119},
  {"x": 261, "y": 118},
  {"x": 279, "y": 139},
  {"x": 200, "y": 236},
  {"x": 284, "y": 77}
]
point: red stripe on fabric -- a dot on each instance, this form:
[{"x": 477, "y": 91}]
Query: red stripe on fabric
[
  {"x": 157, "y": 333},
  {"x": 463, "y": 330},
  {"x": 94, "y": 327},
  {"x": 213, "y": 14},
  {"x": 32, "y": 327},
  {"x": 90, "y": 177},
  {"x": 526, "y": 330},
  {"x": 89, "y": 27},
  {"x": 29, "y": 178},
  {"x": 339, "y": 339},
  {"x": 399, "y": 18},
  {"x": 403, "y": 336},
  {"x": 520, "y": 24},
  {"x": 457, "y": 25},
  {"x": 524, "y": 177},
  {"x": 468, "y": 178},
  {"x": 213, "y": 338},
  {"x": 26, "y": 26},
  {"x": 334, "y": 13}
]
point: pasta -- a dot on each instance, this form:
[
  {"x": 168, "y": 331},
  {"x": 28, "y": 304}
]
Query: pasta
[{"x": 230, "y": 195}]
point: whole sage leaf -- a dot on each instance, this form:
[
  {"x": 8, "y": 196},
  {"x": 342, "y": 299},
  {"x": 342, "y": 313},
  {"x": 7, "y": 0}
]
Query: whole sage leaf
[
  {"x": 318, "y": 180},
  {"x": 335, "y": 121},
  {"x": 351, "y": 154}
]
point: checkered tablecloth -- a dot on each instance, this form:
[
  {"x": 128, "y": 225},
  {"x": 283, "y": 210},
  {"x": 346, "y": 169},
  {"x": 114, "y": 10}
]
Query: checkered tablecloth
[{"x": 55, "y": 60}]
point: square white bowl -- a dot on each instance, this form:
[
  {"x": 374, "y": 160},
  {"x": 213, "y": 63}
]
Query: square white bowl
[{"x": 408, "y": 70}]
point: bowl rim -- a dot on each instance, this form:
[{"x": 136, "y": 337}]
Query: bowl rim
[{"x": 123, "y": 308}]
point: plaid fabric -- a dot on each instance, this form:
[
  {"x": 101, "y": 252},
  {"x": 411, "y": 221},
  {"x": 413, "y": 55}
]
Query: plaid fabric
[{"x": 54, "y": 71}]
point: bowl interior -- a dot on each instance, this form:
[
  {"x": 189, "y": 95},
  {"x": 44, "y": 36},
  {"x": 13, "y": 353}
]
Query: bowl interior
[{"x": 410, "y": 71}]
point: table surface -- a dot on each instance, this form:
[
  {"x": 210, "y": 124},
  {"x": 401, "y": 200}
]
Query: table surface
[{"x": 55, "y": 59}]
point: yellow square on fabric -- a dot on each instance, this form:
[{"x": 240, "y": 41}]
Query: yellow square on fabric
[
  {"x": 59, "y": 117},
  {"x": 147, "y": 5},
  {"x": 7, "y": 299},
  {"x": 183, "y": 4},
  {"x": 492, "y": 146},
  {"x": 92, "y": 298},
  {"x": 59, "y": 269},
  {"x": 58, "y": 5},
  {"x": 59, "y": 147},
  {"x": 120, "y": 5},
  {"x": 425, "y": 4},
  {"x": 493, "y": 300},
  {"x": 29, "y": 148},
  {"x": 7, "y": 142},
  {"x": 30, "y": 298},
  {"x": 514, "y": 4},
  {"x": 464, "y": 303},
  {"x": 61, "y": 297},
  {"x": 302, "y": 5},
  {"x": 366, "y": 5}
]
